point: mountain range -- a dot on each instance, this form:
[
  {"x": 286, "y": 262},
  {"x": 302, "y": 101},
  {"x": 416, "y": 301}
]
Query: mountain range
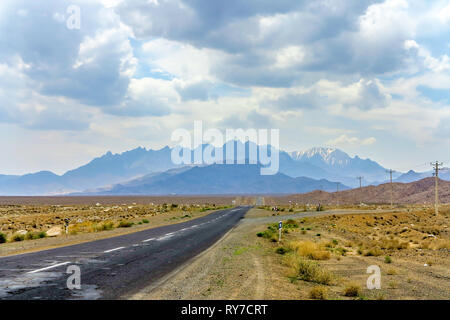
[
  {"x": 133, "y": 169},
  {"x": 217, "y": 179}
]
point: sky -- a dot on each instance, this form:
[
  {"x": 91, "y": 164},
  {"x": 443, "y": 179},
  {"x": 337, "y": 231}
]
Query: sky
[{"x": 371, "y": 78}]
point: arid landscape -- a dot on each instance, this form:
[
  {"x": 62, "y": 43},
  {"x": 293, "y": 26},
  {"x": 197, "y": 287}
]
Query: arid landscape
[
  {"x": 324, "y": 251},
  {"x": 321, "y": 256}
]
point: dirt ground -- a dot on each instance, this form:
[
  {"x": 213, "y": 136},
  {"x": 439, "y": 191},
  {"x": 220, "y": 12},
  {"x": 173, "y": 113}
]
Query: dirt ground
[{"x": 245, "y": 266}]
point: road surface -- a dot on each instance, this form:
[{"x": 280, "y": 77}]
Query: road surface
[{"x": 113, "y": 268}]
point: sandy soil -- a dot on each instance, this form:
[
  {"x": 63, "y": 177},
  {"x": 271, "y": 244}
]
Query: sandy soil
[
  {"x": 166, "y": 218},
  {"x": 244, "y": 266}
]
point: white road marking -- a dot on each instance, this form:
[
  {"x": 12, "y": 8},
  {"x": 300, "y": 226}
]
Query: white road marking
[
  {"x": 166, "y": 236},
  {"x": 50, "y": 267},
  {"x": 107, "y": 251},
  {"x": 151, "y": 239}
]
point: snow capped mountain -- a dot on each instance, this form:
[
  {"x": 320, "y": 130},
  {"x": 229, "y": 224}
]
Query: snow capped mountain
[
  {"x": 340, "y": 164},
  {"x": 330, "y": 156}
]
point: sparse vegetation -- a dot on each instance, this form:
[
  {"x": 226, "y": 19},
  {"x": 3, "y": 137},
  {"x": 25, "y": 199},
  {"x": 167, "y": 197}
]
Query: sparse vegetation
[
  {"x": 309, "y": 249},
  {"x": 2, "y": 238},
  {"x": 318, "y": 293},
  {"x": 18, "y": 237},
  {"x": 352, "y": 290},
  {"x": 308, "y": 270},
  {"x": 125, "y": 224}
]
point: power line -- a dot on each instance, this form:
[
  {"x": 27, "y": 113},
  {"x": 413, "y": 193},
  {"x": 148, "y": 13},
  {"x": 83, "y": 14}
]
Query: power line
[{"x": 437, "y": 166}]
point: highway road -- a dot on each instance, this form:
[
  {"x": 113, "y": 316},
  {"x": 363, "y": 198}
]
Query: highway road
[{"x": 113, "y": 268}]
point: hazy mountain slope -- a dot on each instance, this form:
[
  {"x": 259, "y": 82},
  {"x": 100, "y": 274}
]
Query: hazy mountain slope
[
  {"x": 220, "y": 179},
  {"x": 43, "y": 182}
]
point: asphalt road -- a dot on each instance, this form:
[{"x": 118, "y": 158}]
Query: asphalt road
[{"x": 113, "y": 268}]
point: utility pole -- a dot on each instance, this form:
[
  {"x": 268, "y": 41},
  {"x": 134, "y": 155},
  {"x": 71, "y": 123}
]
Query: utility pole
[
  {"x": 337, "y": 194},
  {"x": 390, "y": 171},
  {"x": 436, "y": 166},
  {"x": 360, "y": 187},
  {"x": 360, "y": 181}
]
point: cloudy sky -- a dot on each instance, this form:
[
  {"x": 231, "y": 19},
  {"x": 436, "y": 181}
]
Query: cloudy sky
[{"x": 369, "y": 77}]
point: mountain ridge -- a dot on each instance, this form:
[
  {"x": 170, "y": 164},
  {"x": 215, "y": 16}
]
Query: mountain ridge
[{"x": 112, "y": 168}]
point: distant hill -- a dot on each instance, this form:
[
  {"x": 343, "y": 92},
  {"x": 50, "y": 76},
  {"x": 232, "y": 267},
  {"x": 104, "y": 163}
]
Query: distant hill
[
  {"x": 217, "y": 179},
  {"x": 411, "y": 176},
  {"x": 417, "y": 192}
]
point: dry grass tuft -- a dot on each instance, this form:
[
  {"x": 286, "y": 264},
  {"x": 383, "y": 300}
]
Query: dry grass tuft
[
  {"x": 308, "y": 270},
  {"x": 309, "y": 249},
  {"x": 352, "y": 290},
  {"x": 318, "y": 293}
]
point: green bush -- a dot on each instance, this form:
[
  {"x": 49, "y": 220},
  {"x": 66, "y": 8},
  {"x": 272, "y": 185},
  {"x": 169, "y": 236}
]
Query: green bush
[
  {"x": 18, "y": 237},
  {"x": 388, "y": 259},
  {"x": 30, "y": 236},
  {"x": 145, "y": 221},
  {"x": 281, "y": 250},
  {"x": 125, "y": 224},
  {"x": 290, "y": 224},
  {"x": 41, "y": 235},
  {"x": 2, "y": 238}
]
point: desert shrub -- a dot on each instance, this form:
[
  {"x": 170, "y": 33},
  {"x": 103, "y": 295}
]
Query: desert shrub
[
  {"x": 392, "y": 244},
  {"x": 341, "y": 251},
  {"x": 391, "y": 271},
  {"x": 29, "y": 236},
  {"x": 18, "y": 237},
  {"x": 308, "y": 270},
  {"x": 318, "y": 293},
  {"x": 387, "y": 259},
  {"x": 145, "y": 221},
  {"x": 125, "y": 224},
  {"x": 320, "y": 255},
  {"x": 352, "y": 290},
  {"x": 373, "y": 252},
  {"x": 2, "y": 238},
  {"x": 281, "y": 250},
  {"x": 41, "y": 234},
  {"x": 309, "y": 249},
  {"x": 290, "y": 224},
  {"x": 393, "y": 285}
]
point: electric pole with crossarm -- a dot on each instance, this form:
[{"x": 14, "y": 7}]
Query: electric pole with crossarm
[
  {"x": 436, "y": 167},
  {"x": 360, "y": 181},
  {"x": 390, "y": 171}
]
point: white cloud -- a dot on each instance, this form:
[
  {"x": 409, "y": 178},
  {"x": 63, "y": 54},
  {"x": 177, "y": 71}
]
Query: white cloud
[{"x": 344, "y": 141}]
